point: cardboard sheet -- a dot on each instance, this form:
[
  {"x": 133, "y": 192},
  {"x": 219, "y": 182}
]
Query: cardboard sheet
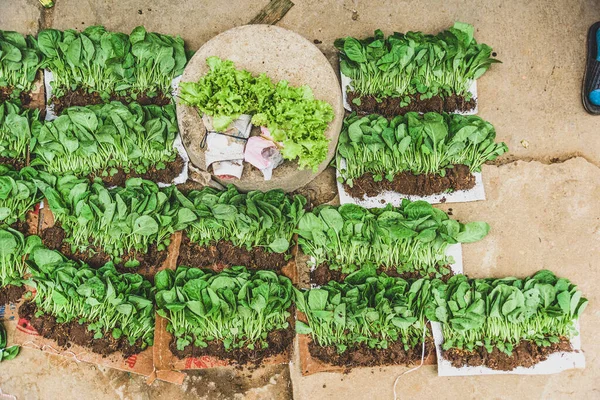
[
  {"x": 556, "y": 362},
  {"x": 25, "y": 335},
  {"x": 38, "y": 93},
  {"x": 177, "y": 144},
  {"x": 387, "y": 197},
  {"x": 347, "y": 84},
  {"x": 165, "y": 362}
]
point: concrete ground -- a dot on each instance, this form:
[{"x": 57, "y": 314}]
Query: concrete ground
[{"x": 542, "y": 198}]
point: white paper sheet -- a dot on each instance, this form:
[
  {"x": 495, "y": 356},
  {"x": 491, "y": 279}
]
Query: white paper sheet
[
  {"x": 453, "y": 250},
  {"x": 347, "y": 84},
  {"x": 387, "y": 197},
  {"x": 178, "y": 144},
  {"x": 556, "y": 362}
]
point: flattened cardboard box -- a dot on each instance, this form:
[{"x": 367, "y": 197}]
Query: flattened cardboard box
[{"x": 166, "y": 362}]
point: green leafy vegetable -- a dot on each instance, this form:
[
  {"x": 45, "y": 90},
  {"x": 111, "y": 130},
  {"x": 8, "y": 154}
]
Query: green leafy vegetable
[
  {"x": 16, "y": 128},
  {"x": 99, "y": 139},
  {"x": 112, "y": 63},
  {"x": 500, "y": 313},
  {"x": 255, "y": 219},
  {"x": 236, "y": 307},
  {"x": 6, "y": 353},
  {"x": 411, "y": 64},
  {"x": 411, "y": 238},
  {"x": 117, "y": 220},
  {"x": 421, "y": 144},
  {"x": 293, "y": 116},
  {"x": 14, "y": 248},
  {"x": 109, "y": 302},
  {"x": 20, "y": 60},
  {"x": 365, "y": 310},
  {"x": 19, "y": 192}
]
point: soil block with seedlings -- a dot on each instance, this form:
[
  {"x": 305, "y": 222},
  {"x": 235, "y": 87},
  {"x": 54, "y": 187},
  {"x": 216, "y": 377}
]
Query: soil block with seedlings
[
  {"x": 111, "y": 142},
  {"x": 505, "y": 323},
  {"x": 254, "y": 229},
  {"x": 410, "y": 72},
  {"x": 413, "y": 154},
  {"x": 342, "y": 325},
  {"x": 142, "y": 218},
  {"x": 106, "y": 312},
  {"x": 137, "y": 67},
  {"x": 19, "y": 68},
  {"x": 411, "y": 241},
  {"x": 222, "y": 318}
]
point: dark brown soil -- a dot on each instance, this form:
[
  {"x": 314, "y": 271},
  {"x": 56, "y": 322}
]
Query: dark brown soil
[
  {"x": 457, "y": 178},
  {"x": 364, "y": 356},
  {"x": 280, "y": 342},
  {"x": 224, "y": 254},
  {"x": 21, "y": 226},
  {"x": 80, "y": 97},
  {"x": 165, "y": 175},
  {"x": 53, "y": 238},
  {"x": 390, "y": 106},
  {"x": 11, "y": 293},
  {"x": 13, "y": 162},
  {"x": 526, "y": 354},
  {"x": 5, "y": 93},
  {"x": 322, "y": 275},
  {"x": 65, "y": 334}
]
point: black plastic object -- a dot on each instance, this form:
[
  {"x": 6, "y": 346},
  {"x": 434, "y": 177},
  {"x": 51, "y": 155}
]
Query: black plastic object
[{"x": 590, "y": 94}]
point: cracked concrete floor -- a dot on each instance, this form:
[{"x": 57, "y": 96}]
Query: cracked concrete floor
[{"x": 543, "y": 211}]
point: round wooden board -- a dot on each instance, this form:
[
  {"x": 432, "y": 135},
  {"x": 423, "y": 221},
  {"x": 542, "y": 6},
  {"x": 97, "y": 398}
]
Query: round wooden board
[{"x": 282, "y": 55}]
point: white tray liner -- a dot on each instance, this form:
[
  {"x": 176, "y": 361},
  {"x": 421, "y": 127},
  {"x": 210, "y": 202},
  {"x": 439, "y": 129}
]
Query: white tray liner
[
  {"x": 453, "y": 250},
  {"x": 178, "y": 143},
  {"x": 556, "y": 362},
  {"x": 387, "y": 197},
  {"x": 347, "y": 84}
]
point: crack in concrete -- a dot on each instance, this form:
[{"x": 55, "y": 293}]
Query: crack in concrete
[
  {"x": 546, "y": 160},
  {"x": 46, "y": 18}
]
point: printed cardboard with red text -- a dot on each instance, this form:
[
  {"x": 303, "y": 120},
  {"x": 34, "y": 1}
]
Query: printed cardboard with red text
[{"x": 165, "y": 360}]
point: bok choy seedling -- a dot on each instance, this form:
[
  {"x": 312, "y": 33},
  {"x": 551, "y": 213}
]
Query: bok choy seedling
[
  {"x": 365, "y": 309},
  {"x": 102, "y": 138},
  {"x": 413, "y": 237},
  {"x": 111, "y": 303},
  {"x": 14, "y": 248},
  {"x": 420, "y": 144},
  {"x": 112, "y": 63},
  {"x": 20, "y": 191},
  {"x": 255, "y": 219},
  {"x": 236, "y": 307},
  {"x": 406, "y": 65},
  {"x": 17, "y": 126},
  {"x": 500, "y": 313},
  {"x": 20, "y": 60},
  {"x": 118, "y": 220}
]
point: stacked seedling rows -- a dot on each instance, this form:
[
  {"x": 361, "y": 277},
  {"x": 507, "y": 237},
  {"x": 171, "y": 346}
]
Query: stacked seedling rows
[
  {"x": 380, "y": 276},
  {"x": 107, "y": 139},
  {"x": 218, "y": 267}
]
